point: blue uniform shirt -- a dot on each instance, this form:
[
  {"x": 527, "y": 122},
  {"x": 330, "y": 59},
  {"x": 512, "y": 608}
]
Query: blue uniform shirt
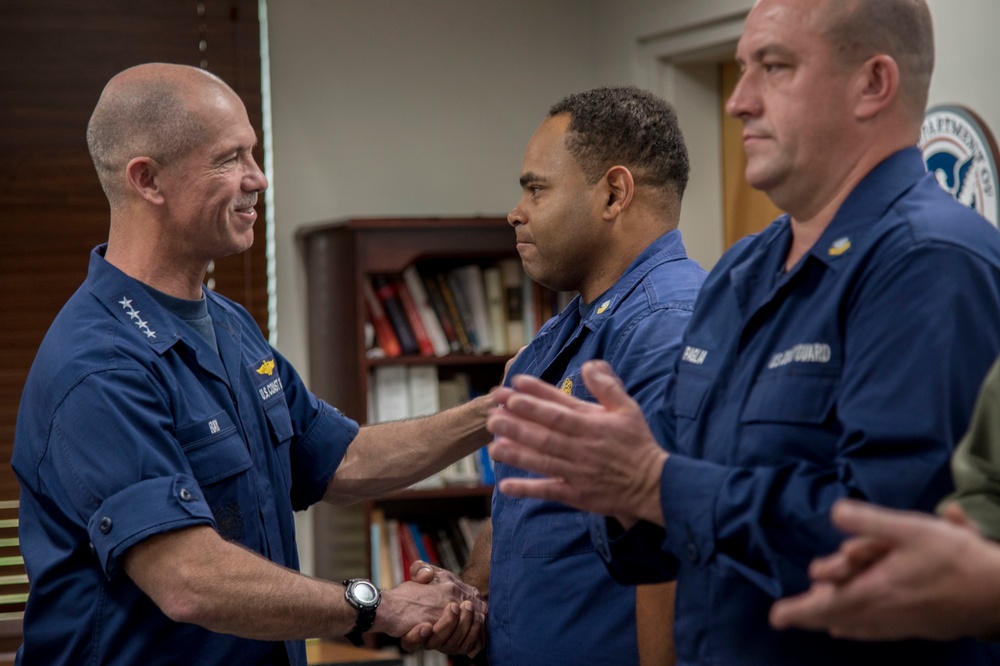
[
  {"x": 552, "y": 600},
  {"x": 852, "y": 375},
  {"x": 132, "y": 425}
]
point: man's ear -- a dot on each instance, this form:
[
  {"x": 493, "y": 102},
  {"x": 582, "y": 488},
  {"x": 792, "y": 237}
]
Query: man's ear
[
  {"x": 879, "y": 86},
  {"x": 143, "y": 175},
  {"x": 620, "y": 189}
]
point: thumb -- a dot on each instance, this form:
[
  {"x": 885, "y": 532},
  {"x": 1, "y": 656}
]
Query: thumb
[
  {"x": 605, "y": 385},
  {"x": 955, "y": 514},
  {"x": 421, "y": 572},
  {"x": 865, "y": 519}
]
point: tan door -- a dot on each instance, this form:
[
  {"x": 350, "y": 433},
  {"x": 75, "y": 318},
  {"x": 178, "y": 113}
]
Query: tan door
[{"x": 745, "y": 210}]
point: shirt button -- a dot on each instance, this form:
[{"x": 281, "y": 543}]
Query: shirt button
[
  {"x": 93, "y": 549},
  {"x": 186, "y": 495},
  {"x": 105, "y": 525},
  {"x": 691, "y": 551}
]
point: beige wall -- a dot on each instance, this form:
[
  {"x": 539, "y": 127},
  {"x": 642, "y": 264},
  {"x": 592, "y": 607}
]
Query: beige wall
[{"x": 423, "y": 107}]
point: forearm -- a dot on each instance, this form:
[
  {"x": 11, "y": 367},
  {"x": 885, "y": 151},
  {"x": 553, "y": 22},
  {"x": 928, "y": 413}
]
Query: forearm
[
  {"x": 477, "y": 570},
  {"x": 389, "y": 456},
  {"x": 654, "y": 619},
  {"x": 194, "y": 576}
]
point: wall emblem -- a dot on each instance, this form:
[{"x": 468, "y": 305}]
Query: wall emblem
[{"x": 959, "y": 149}]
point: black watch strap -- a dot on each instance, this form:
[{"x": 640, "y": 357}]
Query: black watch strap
[{"x": 366, "y": 615}]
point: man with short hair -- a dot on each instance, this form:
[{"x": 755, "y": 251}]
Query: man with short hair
[
  {"x": 162, "y": 445},
  {"x": 827, "y": 357},
  {"x": 602, "y": 181}
]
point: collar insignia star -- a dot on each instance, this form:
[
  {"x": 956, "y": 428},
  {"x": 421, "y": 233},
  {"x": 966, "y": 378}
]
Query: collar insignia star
[{"x": 133, "y": 314}]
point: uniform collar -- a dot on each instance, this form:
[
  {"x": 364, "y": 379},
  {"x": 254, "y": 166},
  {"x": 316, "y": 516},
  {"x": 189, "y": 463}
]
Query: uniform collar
[
  {"x": 846, "y": 234},
  {"x": 668, "y": 247},
  {"x": 141, "y": 315},
  {"x": 867, "y": 204}
]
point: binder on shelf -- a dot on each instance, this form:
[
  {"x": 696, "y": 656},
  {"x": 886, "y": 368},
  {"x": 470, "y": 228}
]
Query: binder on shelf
[
  {"x": 392, "y": 393},
  {"x": 424, "y": 390},
  {"x": 424, "y": 398}
]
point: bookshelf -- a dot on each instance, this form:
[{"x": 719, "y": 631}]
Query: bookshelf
[{"x": 338, "y": 258}]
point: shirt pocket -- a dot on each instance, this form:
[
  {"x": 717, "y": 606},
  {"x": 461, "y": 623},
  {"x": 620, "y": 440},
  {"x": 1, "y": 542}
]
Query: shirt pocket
[
  {"x": 279, "y": 420},
  {"x": 806, "y": 399},
  {"x": 690, "y": 392},
  {"x": 214, "y": 448},
  {"x": 558, "y": 533}
]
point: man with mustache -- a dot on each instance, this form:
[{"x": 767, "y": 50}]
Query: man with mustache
[{"x": 162, "y": 444}]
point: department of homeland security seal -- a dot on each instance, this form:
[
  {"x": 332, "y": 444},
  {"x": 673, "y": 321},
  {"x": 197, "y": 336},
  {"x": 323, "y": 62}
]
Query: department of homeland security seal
[{"x": 958, "y": 148}]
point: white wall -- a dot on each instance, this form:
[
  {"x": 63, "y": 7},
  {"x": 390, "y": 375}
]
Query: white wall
[
  {"x": 399, "y": 107},
  {"x": 405, "y": 107},
  {"x": 423, "y": 107},
  {"x": 968, "y": 52}
]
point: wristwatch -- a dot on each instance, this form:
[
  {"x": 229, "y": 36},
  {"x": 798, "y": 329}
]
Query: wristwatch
[{"x": 365, "y": 598}]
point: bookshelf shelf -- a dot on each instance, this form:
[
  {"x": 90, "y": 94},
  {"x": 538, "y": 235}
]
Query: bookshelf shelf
[
  {"x": 339, "y": 257},
  {"x": 449, "y": 360}
]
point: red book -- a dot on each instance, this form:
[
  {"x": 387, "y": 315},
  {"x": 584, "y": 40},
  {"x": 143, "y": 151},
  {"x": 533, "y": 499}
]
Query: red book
[
  {"x": 413, "y": 316},
  {"x": 432, "y": 552},
  {"x": 409, "y": 548},
  {"x": 388, "y": 295},
  {"x": 386, "y": 337}
]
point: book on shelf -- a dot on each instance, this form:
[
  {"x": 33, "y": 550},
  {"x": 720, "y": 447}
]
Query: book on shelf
[
  {"x": 443, "y": 541},
  {"x": 469, "y": 287},
  {"x": 392, "y": 393},
  {"x": 463, "y": 309},
  {"x": 381, "y": 556},
  {"x": 479, "y": 307},
  {"x": 440, "y": 308},
  {"x": 512, "y": 279},
  {"x": 408, "y": 391},
  {"x": 387, "y": 291},
  {"x": 454, "y": 391},
  {"x": 414, "y": 319},
  {"x": 384, "y": 335},
  {"x": 496, "y": 310},
  {"x": 421, "y": 299},
  {"x": 408, "y": 548},
  {"x": 395, "y": 552},
  {"x": 444, "y": 287}
]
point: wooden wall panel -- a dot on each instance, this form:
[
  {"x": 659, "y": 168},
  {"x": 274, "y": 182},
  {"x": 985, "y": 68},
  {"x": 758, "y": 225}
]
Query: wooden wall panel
[{"x": 55, "y": 57}]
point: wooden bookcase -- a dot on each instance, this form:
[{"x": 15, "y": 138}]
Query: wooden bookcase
[{"x": 338, "y": 256}]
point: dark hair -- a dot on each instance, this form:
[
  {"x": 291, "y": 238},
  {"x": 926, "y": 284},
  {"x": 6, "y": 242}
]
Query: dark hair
[
  {"x": 901, "y": 29},
  {"x": 624, "y": 125}
]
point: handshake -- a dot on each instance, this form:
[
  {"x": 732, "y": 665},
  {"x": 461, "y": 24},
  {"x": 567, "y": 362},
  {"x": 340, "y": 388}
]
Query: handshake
[{"x": 434, "y": 610}]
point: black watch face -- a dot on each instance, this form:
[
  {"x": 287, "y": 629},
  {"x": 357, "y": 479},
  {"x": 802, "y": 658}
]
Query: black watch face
[{"x": 364, "y": 592}]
